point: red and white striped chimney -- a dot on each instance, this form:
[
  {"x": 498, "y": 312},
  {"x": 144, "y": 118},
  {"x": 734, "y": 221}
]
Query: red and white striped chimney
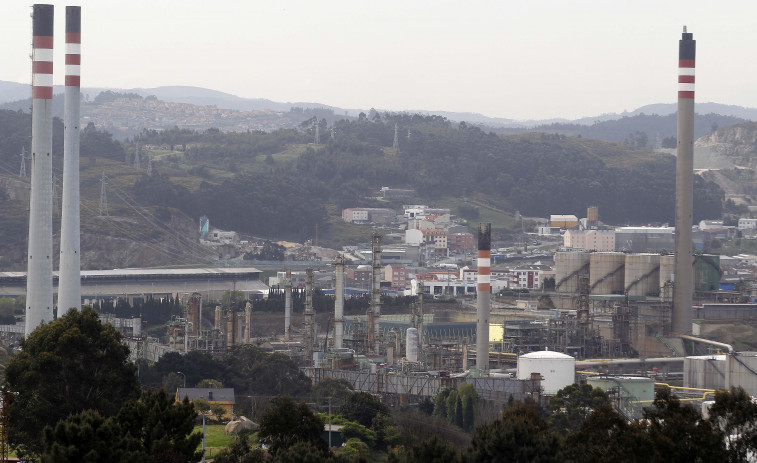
[
  {"x": 483, "y": 295},
  {"x": 69, "y": 281},
  {"x": 683, "y": 289},
  {"x": 39, "y": 276}
]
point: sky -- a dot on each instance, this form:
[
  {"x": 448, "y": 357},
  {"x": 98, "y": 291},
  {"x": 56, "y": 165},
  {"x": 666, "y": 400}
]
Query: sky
[{"x": 525, "y": 59}]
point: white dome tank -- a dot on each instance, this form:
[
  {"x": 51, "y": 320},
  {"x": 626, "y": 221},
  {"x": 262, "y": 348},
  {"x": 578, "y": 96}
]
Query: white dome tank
[
  {"x": 411, "y": 345},
  {"x": 607, "y": 273},
  {"x": 568, "y": 266},
  {"x": 557, "y": 369},
  {"x": 642, "y": 274}
]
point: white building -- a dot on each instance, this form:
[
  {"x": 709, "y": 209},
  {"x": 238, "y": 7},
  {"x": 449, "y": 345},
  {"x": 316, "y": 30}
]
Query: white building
[
  {"x": 590, "y": 240},
  {"x": 747, "y": 224}
]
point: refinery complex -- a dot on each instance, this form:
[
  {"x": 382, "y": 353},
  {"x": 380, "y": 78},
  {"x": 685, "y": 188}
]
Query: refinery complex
[{"x": 622, "y": 321}]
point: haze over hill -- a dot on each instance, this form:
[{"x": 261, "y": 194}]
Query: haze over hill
[{"x": 13, "y": 96}]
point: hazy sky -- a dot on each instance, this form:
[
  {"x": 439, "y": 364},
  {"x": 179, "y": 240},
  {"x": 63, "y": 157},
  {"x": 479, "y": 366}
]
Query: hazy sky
[{"x": 516, "y": 59}]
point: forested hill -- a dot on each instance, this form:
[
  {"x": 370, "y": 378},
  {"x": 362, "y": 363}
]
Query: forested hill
[
  {"x": 280, "y": 185},
  {"x": 538, "y": 174},
  {"x": 640, "y": 131}
]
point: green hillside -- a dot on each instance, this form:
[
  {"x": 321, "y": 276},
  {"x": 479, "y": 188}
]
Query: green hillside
[{"x": 280, "y": 185}]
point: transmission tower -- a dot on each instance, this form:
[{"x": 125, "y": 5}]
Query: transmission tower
[
  {"x": 103, "y": 196},
  {"x": 136, "y": 157},
  {"x": 22, "y": 171},
  {"x": 317, "y": 133},
  {"x": 149, "y": 167},
  {"x": 396, "y": 144}
]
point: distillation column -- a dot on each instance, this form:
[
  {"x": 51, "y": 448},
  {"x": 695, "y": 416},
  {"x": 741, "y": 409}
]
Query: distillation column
[
  {"x": 39, "y": 277},
  {"x": 288, "y": 306},
  {"x": 376, "y": 293},
  {"x": 309, "y": 315},
  {"x": 339, "y": 302},
  {"x": 683, "y": 288}
]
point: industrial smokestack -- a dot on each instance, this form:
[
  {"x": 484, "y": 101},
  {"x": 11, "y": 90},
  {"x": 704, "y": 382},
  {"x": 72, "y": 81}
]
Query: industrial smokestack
[
  {"x": 376, "y": 293},
  {"x": 217, "y": 321},
  {"x": 231, "y": 319},
  {"x": 309, "y": 314},
  {"x": 339, "y": 301},
  {"x": 247, "y": 322},
  {"x": 288, "y": 306},
  {"x": 69, "y": 281},
  {"x": 193, "y": 314},
  {"x": 684, "y": 259},
  {"x": 39, "y": 276},
  {"x": 483, "y": 295}
]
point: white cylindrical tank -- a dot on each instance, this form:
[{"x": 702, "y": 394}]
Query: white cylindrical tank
[
  {"x": 642, "y": 274},
  {"x": 411, "y": 347},
  {"x": 607, "y": 272},
  {"x": 557, "y": 369},
  {"x": 667, "y": 269},
  {"x": 568, "y": 266}
]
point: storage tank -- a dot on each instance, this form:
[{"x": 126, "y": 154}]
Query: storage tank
[
  {"x": 667, "y": 269},
  {"x": 568, "y": 266},
  {"x": 557, "y": 369},
  {"x": 606, "y": 274},
  {"x": 642, "y": 276},
  {"x": 706, "y": 272},
  {"x": 704, "y": 371},
  {"x": 411, "y": 347}
]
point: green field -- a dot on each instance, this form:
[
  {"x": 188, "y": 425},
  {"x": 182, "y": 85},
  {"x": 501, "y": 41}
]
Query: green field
[{"x": 217, "y": 439}]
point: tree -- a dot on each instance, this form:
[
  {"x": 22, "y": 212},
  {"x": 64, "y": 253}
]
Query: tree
[
  {"x": 440, "y": 403},
  {"x": 209, "y": 383},
  {"x": 452, "y": 399},
  {"x": 287, "y": 422},
  {"x": 679, "y": 433},
  {"x": 735, "y": 414},
  {"x": 572, "y": 405},
  {"x": 72, "y": 364},
  {"x": 520, "y": 435},
  {"x": 469, "y": 398},
  {"x": 335, "y": 389},
  {"x": 606, "y": 436},
  {"x": 163, "y": 426},
  {"x": 433, "y": 450},
  {"x": 362, "y": 407},
  {"x": 240, "y": 451},
  {"x": 88, "y": 437}
]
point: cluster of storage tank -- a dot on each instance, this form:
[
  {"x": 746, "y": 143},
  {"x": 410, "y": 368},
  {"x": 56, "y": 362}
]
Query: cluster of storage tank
[{"x": 637, "y": 274}]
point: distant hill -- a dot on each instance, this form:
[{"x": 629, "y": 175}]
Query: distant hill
[
  {"x": 640, "y": 130},
  {"x": 12, "y": 94}
]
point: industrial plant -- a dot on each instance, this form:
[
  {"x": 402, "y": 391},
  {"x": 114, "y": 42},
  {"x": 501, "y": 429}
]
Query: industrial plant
[{"x": 622, "y": 321}]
